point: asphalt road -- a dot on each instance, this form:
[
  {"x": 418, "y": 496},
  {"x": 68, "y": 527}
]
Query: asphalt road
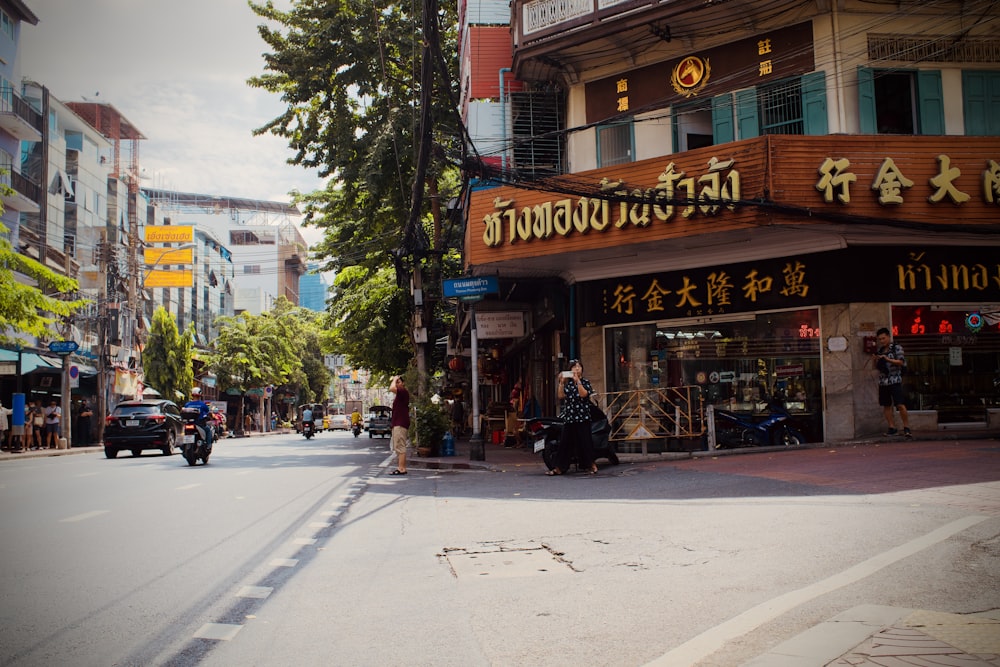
[{"x": 283, "y": 551}]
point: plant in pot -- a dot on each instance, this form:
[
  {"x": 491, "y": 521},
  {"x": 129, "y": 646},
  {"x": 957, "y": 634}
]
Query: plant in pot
[{"x": 431, "y": 422}]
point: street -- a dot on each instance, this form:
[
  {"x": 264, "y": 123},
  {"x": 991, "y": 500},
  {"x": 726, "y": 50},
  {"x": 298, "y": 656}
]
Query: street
[{"x": 283, "y": 551}]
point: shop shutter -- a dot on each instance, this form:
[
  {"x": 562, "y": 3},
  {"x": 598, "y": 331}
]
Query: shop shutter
[
  {"x": 930, "y": 101},
  {"x": 981, "y": 103},
  {"x": 866, "y": 100},
  {"x": 747, "y": 120},
  {"x": 814, "y": 103},
  {"x": 722, "y": 119}
]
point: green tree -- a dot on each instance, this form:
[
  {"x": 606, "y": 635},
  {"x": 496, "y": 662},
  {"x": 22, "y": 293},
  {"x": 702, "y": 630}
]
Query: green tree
[
  {"x": 31, "y": 309},
  {"x": 166, "y": 359},
  {"x": 369, "y": 96}
]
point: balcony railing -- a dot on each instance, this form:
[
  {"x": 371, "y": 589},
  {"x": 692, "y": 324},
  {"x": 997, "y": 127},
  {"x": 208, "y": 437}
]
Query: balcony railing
[{"x": 12, "y": 104}]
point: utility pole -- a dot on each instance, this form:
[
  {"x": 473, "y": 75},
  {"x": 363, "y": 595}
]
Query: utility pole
[{"x": 103, "y": 259}]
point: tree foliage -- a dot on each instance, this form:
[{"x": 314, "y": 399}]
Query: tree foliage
[
  {"x": 349, "y": 73},
  {"x": 31, "y": 309},
  {"x": 166, "y": 359}
]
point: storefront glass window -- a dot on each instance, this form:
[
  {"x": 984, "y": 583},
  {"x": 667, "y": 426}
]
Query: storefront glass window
[
  {"x": 952, "y": 360},
  {"x": 739, "y": 365}
]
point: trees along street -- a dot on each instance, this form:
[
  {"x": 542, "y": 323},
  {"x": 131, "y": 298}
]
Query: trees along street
[{"x": 476, "y": 567}]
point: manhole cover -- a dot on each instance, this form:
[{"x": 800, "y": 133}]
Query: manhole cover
[{"x": 505, "y": 563}]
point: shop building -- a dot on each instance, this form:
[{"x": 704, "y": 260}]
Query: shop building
[{"x": 746, "y": 198}]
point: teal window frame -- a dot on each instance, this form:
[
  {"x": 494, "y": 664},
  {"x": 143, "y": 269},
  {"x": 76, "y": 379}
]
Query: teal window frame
[
  {"x": 928, "y": 95},
  {"x": 812, "y": 113},
  {"x": 602, "y": 159},
  {"x": 981, "y": 102}
]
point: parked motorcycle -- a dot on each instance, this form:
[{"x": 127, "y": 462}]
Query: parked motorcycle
[
  {"x": 356, "y": 429},
  {"x": 733, "y": 430},
  {"x": 546, "y": 432},
  {"x": 308, "y": 429},
  {"x": 196, "y": 443}
]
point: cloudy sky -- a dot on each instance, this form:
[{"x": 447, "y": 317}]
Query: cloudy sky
[{"x": 177, "y": 69}]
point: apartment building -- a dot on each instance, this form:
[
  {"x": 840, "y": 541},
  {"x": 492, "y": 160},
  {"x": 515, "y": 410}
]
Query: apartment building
[{"x": 748, "y": 192}]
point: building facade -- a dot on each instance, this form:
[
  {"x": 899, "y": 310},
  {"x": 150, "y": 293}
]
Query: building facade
[{"x": 745, "y": 198}]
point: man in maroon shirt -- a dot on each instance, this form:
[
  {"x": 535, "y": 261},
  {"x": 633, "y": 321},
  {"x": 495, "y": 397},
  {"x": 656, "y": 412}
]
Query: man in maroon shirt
[{"x": 400, "y": 422}]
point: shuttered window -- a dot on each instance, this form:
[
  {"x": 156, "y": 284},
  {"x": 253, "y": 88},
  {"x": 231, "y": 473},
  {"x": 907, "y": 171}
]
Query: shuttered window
[
  {"x": 900, "y": 102},
  {"x": 615, "y": 144},
  {"x": 981, "y": 103}
]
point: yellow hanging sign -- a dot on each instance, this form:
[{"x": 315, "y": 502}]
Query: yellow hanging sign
[
  {"x": 162, "y": 278},
  {"x": 169, "y": 234},
  {"x": 168, "y": 256}
]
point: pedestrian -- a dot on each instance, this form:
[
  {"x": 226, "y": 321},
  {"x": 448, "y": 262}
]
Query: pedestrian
[
  {"x": 247, "y": 422},
  {"x": 4, "y": 425},
  {"x": 83, "y": 420},
  {"x": 400, "y": 422},
  {"x": 458, "y": 417},
  {"x": 890, "y": 362},
  {"x": 37, "y": 425},
  {"x": 574, "y": 391},
  {"x": 53, "y": 419}
]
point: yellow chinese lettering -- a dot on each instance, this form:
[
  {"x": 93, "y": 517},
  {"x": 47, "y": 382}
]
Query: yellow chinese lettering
[
  {"x": 654, "y": 297},
  {"x": 719, "y": 286},
  {"x": 763, "y": 47},
  {"x": 623, "y": 103},
  {"x": 622, "y": 85},
  {"x": 835, "y": 174},
  {"x": 991, "y": 182},
  {"x": 755, "y": 286},
  {"x": 795, "y": 280},
  {"x": 766, "y": 67},
  {"x": 889, "y": 183},
  {"x": 945, "y": 183},
  {"x": 685, "y": 293},
  {"x": 624, "y": 300}
]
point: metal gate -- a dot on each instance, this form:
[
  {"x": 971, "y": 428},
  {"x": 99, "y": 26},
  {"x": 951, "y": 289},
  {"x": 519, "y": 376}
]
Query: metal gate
[{"x": 645, "y": 416}]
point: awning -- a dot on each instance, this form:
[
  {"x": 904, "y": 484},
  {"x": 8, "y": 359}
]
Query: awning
[{"x": 31, "y": 362}]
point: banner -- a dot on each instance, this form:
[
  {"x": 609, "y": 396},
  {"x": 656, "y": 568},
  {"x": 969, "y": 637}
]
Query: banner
[
  {"x": 169, "y": 256},
  {"x": 164, "y": 278},
  {"x": 169, "y": 234}
]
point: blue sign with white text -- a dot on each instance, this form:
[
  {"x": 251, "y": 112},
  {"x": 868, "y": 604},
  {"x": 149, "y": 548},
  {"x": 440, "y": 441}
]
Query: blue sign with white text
[{"x": 462, "y": 287}]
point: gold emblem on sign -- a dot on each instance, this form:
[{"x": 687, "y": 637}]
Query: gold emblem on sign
[{"x": 690, "y": 75}]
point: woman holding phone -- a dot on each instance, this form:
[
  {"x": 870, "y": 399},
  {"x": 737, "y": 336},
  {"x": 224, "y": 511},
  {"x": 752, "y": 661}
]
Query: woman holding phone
[{"x": 574, "y": 392}]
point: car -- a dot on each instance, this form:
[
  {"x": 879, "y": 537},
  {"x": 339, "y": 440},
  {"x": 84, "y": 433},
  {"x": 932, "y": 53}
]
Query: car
[
  {"x": 381, "y": 422},
  {"x": 145, "y": 424},
  {"x": 340, "y": 422}
]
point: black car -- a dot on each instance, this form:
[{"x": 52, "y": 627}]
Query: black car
[{"x": 146, "y": 424}]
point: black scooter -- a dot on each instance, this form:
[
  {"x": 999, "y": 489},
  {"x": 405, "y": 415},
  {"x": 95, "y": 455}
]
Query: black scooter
[
  {"x": 356, "y": 429},
  {"x": 196, "y": 443},
  {"x": 733, "y": 430},
  {"x": 307, "y": 429},
  {"x": 546, "y": 432}
]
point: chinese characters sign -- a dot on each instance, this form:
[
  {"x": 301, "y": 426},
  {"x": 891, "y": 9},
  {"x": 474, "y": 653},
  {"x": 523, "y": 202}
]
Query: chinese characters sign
[{"x": 904, "y": 274}]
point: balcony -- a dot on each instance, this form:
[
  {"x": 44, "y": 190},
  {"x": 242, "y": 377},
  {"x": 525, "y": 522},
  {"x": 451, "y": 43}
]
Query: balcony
[
  {"x": 562, "y": 39},
  {"x": 19, "y": 118},
  {"x": 25, "y": 195}
]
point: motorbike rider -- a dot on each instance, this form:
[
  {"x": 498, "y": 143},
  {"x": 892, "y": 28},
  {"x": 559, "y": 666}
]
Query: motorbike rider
[
  {"x": 356, "y": 420},
  {"x": 204, "y": 414},
  {"x": 307, "y": 418}
]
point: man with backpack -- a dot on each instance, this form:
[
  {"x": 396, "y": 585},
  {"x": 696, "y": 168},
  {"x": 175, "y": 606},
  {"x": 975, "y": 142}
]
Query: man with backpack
[{"x": 890, "y": 362}]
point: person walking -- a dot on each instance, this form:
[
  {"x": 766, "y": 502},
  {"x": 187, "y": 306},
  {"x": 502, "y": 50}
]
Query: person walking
[
  {"x": 4, "y": 425},
  {"x": 574, "y": 391},
  {"x": 34, "y": 425},
  {"x": 53, "y": 421},
  {"x": 890, "y": 361},
  {"x": 400, "y": 422}
]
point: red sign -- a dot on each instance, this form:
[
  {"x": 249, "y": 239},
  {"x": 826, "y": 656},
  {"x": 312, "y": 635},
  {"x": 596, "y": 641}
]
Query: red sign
[{"x": 790, "y": 371}]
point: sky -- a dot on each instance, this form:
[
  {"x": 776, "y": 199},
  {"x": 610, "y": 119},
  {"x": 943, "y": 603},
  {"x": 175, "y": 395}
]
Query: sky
[{"x": 177, "y": 70}]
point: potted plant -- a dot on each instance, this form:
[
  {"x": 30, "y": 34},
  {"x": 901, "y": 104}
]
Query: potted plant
[{"x": 431, "y": 422}]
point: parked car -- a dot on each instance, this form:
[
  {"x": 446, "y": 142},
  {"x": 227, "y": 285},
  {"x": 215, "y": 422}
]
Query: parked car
[
  {"x": 380, "y": 423},
  {"x": 340, "y": 422},
  {"x": 145, "y": 424}
]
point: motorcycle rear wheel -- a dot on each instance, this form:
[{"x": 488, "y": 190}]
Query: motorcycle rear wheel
[{"x": 788, "y": 437}]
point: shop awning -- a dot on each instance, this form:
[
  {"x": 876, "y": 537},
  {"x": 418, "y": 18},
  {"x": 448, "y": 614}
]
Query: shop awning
[{"x": 31, "y": 362}]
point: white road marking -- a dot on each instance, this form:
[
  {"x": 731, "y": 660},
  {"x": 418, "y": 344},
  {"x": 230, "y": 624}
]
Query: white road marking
[
  {"x": 700, "y": 647},
  {"x": 186, "y": 487},
  {"x": 84, "y": 516},
  {"x": 284, "y": 562},
  {"x": 88, "y": 474},
  {"x": 320, "y": 524},
  {"x": 220, "y": 631},
  {"x": 303, "y": 540},
  {"x": 259, "y": 592}
]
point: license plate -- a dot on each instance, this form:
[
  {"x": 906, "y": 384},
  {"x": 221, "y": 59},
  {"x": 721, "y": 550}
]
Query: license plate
[
  {"x": 539, "y": 445},
  {"x": 188, "y": 439},
  {"x": 131, "y": 422}
]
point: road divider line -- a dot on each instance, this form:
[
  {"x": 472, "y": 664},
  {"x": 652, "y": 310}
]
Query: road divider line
[
  {"x": 708, "y": 642},
  {"x": 84, "y": 516}
]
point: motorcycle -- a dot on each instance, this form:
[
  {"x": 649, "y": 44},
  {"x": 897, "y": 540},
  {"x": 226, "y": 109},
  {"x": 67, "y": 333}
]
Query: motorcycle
[
  {"x": 356, "y": 429},
  {"x": 546, "y": 432},
  {"x": 196, "y": 443},
  {"x": 308, "y": 429},
  {"x": 733, "y": 430}
]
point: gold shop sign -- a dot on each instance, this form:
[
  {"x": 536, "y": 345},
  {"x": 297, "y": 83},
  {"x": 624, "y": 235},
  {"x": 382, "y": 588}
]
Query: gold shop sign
[
  {"x": 164, "y": 278},
  {"x": 168, "y": 256},
  {"x": 169, "y": 234}
]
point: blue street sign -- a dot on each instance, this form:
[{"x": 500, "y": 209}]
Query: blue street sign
[
  {"x": 64, "y": 346},
  {"x": 466, "y": 287}
]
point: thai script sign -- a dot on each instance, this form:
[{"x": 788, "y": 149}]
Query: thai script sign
[{"x": 169, "y": 234}]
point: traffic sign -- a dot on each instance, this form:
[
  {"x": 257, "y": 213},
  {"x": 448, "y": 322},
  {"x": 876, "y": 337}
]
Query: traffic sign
[
  {"x": 471, "y": 287},
  {"x": 64, "y": 346}
]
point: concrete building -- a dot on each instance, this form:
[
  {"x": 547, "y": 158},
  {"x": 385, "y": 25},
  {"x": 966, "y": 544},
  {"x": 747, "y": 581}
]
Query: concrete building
[
  {"x": 313, "y": 288},
  {"x": 748, "y": 191}
]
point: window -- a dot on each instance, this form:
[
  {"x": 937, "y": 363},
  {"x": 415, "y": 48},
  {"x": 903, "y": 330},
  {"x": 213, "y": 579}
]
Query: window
[
  {"x": 615, "y": 144},
  {"x": 900, "y": 101},
  {"x": 6, "y": 24},
  {"x": 251, "y": 269},
  {"x": 981, "y": 103},
  {"x": 693, "y": 126},
  {"x": 779, "y": 108}
]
